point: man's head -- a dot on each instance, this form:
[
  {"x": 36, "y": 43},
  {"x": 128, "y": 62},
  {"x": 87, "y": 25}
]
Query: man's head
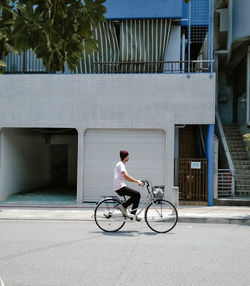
[{"x": 124, "y": 155}]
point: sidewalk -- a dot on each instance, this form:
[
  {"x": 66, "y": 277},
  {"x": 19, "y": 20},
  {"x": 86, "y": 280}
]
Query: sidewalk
[{"x": 188, "y": 214}]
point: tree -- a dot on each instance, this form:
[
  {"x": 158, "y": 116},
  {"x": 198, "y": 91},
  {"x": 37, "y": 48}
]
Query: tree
[{"x": 57, "y": 31}]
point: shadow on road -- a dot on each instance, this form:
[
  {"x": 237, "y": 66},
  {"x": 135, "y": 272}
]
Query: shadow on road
[{"x": 130, "y": 233}]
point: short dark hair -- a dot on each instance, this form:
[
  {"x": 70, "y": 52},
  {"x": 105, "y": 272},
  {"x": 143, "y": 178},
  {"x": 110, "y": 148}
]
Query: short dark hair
[{"x": 123, "y": 154}]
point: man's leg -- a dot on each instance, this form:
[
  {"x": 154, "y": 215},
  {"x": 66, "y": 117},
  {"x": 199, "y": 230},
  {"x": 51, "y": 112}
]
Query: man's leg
[{"x": 134, "y": 198}]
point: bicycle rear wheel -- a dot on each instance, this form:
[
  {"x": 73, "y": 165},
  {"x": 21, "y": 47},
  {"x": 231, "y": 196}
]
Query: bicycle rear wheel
[
  {"x": 108, "y": 217},
  {"x": 161, "y": 216}
]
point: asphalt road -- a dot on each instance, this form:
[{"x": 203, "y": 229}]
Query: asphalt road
[{"x": 59, "y": 253}]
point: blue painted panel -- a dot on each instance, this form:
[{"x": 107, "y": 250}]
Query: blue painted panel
[
  {"x": 199, "y": 13},
  {"x": 137, "y": 9},
  {"x": 210, "y": 157}
]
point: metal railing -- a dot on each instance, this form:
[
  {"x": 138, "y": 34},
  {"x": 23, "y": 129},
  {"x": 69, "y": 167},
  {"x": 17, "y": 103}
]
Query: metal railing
[
  {"x": 196, "y": 66},
  {"x": 225, "y": 185},
  {"x": 225, "y": 147}
]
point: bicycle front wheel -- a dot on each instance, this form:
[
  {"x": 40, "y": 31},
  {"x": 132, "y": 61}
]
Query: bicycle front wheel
[
  {"x": 161, "y": 216},
  {"x": 108, "y": 217}
]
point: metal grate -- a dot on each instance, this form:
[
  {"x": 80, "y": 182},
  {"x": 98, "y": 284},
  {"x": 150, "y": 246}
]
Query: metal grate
[
  {"x": 192, "y": 179},
  {"x": 225, "y": 183},
  {"x": 199, "y": 14}
]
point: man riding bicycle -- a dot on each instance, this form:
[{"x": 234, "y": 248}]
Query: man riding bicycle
[{"x": 120, "y": 176}]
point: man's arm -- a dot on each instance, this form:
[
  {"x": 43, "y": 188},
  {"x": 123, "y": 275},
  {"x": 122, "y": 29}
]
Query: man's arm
[{"x": 128, "y": 178}]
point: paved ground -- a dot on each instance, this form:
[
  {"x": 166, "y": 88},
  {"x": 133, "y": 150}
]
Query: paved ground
[
  {"x": 219, "y": 214},
  {"x": 46, "y": 196},
  {"x": 76, "y": 253}
]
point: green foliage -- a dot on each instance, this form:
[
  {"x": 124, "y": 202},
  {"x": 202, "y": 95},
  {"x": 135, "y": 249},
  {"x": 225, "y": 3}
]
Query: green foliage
[
  {"x": 57, "y": 31},
  {"x": 247, "y": 137}
]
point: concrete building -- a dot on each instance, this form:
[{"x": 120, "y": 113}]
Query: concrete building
[
  {"x": 232, "y": 64},
  {"x": 151, "y": 80}
]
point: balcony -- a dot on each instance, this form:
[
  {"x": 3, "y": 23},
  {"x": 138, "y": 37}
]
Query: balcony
[
  {"x": 198, "y": 66},
  {"x": 27, "y": 63}
]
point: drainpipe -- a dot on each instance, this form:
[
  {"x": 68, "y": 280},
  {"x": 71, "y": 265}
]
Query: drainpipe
[
  {"x": 183, "y": 51},
  {"x": 189, "y": 37},
  {"x": 210, "y": 157},
  {"x": 248, "y": 86},
  {"x": 216, "y": 53}
]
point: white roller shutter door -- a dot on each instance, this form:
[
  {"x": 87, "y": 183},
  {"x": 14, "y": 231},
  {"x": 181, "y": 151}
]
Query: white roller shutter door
[{"x": 147, "y": 149}]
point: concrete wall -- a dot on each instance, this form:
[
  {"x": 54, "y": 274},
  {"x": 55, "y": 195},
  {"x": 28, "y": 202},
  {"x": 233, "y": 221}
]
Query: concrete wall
[
  {"x": 106, "y": 101},
  {"x": 239, "y": 21},
  {"x": 139, "y": 101},
  {"x": 225, "y": 98},
  {"x": 24, "y": 161},
  {"x": 71, "y": 141}
]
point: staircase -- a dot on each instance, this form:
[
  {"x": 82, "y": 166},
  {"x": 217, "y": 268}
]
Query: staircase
[{"x": 240, "y": 159}]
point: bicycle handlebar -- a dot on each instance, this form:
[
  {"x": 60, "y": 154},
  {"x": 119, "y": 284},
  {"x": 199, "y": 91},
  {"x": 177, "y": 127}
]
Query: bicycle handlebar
[{"x": 147, "y": 183}]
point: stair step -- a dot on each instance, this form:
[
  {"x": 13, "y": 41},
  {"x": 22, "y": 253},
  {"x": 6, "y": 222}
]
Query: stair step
[
  {"x": 234, "y": 150},
  {"x": 239, "y": 151},
  {"x": 241, "y": 181},
  {"x": 234, "y": 144},
  {"x": 231, "y": 134},
  {"x": 243, "y": 162},
  {"x": 242, "y": 177},
  {"x": 243, "y": 187},
  {"x": 239, "y": 157},
  {"x": 240, "y": 154},
  {"x": 243, "y": 193},
  {"x": 242, "y": 167},
  {"x": 242, "y": 174}
]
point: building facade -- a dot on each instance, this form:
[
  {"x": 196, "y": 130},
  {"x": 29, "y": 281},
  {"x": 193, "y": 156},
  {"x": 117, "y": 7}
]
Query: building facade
[
  {"x": 232, "y": 64},
  {"x": 152, "y": 78}
]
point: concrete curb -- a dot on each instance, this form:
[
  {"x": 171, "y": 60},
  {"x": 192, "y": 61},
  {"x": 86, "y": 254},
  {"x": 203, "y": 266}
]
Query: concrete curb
[
  {"x": 205, "y": 220},
  {"x": 197, "y": 215},
  {"x": 214, "y": 220},
  {"x": 245, "y": 222}
]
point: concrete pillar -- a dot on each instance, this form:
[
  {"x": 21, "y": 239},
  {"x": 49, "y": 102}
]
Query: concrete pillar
[
  {"x": 175, "y": 201},
  {"x": 210, "y": 157},
  {"x": 170, "y": 136},
  {"x": 79, "y": 196}
]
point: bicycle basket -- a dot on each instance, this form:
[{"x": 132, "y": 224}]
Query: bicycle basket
[{"x": 158, "y": 192}]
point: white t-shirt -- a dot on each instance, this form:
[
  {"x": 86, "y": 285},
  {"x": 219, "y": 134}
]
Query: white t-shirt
[{"x": 118, "y": 177}]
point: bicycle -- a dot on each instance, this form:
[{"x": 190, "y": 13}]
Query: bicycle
[{"x": 160, "y": 215}]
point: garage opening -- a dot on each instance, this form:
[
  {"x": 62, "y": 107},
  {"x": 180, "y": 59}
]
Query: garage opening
[{"x": 38, "y": 166}]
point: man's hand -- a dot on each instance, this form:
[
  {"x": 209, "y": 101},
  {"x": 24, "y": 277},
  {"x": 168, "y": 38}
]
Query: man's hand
[{"x": 140, "y": 183}]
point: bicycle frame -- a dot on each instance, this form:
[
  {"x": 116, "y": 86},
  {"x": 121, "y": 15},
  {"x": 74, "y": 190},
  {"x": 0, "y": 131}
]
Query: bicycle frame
[{"x": 147, "y": 201}]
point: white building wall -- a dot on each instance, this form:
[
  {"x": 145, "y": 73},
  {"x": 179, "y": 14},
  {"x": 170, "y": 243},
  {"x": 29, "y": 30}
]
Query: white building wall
[
  {"x": 24, "y": 161},
  {"x": 71, "y": 141},
  {"x": 106, "y": 101},
  {"x": 131, "y": 101}
]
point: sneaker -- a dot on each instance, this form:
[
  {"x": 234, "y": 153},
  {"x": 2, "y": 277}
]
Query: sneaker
[
  {"x": 123, "y": 210},
  {"x": 138, "y": 218},
  {"x": 134, "y": 217},
  {"x": 107, "y": 215}
]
